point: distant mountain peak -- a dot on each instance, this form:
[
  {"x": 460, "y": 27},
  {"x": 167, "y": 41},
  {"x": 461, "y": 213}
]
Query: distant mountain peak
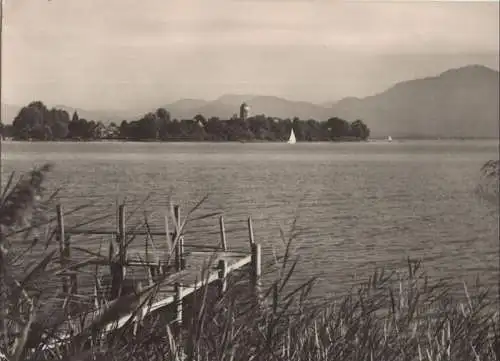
[
  {"x": 459, "y": 102},
  {"x": 475, "y": 68},
  {"x": 235, "y": 98},
  {"x": 472, "y": 72},
  {"x": 189, "y": 102}
]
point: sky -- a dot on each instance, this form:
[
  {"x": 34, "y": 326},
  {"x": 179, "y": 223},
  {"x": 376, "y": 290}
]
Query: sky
[{"x": 124, "y": 54}]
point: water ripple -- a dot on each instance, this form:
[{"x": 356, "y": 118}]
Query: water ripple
[{"x": 358, "y": 206}]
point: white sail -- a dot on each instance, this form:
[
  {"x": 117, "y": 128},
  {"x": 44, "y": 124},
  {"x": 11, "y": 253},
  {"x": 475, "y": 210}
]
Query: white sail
[
  {"x": 292, "y": 139},
  {"x": 389, "y": 138}
]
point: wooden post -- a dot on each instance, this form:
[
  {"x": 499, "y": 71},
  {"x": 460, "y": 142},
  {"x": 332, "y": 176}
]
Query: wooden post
[
  {"x": 97, "y": 299},
  {"x": 223, "y": 271},
  {"x": 121, "y": 234},
  {"x": 179, "y": 252},
  {"x": 61, "y": 240},
  {"x": 117, "y": 269},
  {"x": 222, "y": 234},
  {"x": 73, "y": 289},
  {"x": 140, "y": 313},
  {"x": 178, "y": 304},
  {"x": 178, "y": 324},
  {"x": 179, "y": 247},
  {"x": 178, "y": 260},
  {"x": 250, "y": 231},
  {"x": 177, "y": 218},
  {"x": 256, "y": 264},
  {"x": 151, "y": 275},
  {"x": 168, "y": 250}
]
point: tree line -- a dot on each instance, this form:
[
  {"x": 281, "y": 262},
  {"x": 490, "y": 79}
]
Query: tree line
[{"x": 36, "y": 122}]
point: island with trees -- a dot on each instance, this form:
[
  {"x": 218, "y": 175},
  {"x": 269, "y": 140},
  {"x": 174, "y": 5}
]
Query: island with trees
[{"x": 37, "y": 122}]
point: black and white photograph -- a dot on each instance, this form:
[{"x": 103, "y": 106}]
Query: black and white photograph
[{"x": 249, "y": 180}]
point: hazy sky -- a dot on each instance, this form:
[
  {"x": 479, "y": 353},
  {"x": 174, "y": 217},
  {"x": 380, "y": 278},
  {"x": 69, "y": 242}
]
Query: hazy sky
[{"x": 146, "y": 53}]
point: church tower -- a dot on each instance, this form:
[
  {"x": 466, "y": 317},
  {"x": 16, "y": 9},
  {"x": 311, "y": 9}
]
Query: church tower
[{"x": 244, "y": 110}]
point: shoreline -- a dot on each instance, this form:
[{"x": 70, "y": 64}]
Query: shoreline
[{"x": 259, "y": 141}]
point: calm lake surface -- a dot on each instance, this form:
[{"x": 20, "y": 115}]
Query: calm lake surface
[{"x": 357, "y": 206}]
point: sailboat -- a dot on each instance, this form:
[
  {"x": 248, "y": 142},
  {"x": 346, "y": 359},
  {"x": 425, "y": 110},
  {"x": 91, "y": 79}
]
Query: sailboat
[
  {"x": 292, "y": 139},
  {"x": 389, "y": 139}
]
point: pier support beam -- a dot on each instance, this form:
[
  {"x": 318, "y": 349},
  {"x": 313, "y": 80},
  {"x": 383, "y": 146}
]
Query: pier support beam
[
  {"x": 256, "y": 264},
  {"x": 121, "y": 239},
  {"x": 250, "y": 232},
  {"x": 223, "y": 272},
  {"x": 180, "y": 262},
  {"x": 178, "y": 303},
  {"x": 117, "y": 268},
  {"x": 222, "y": 234}
]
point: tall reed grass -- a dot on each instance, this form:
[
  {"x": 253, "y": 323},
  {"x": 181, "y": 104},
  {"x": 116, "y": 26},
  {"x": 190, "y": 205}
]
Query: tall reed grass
[
  {"x": 489, "y": 183},
  {"x": 391, "y": 316}
]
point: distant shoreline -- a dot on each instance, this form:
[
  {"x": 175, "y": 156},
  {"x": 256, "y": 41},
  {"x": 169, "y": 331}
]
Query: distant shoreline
[
  {"x": 371, "y": 140},
  {"x": 284, "y": 141}
]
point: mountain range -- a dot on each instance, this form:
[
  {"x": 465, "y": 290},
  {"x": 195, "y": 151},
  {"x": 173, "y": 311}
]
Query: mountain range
[{"x": 461, "y": 102}]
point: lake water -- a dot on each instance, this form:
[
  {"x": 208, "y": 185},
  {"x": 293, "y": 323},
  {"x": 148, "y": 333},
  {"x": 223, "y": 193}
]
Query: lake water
[{"x": 357, "y": 205}]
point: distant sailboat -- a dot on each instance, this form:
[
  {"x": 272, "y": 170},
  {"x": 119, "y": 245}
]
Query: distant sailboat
[
  {"x": 292, "y": 139},
  {"x": 389, "y": 139}
]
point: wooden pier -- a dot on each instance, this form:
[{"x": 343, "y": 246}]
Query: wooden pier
[{"x": 164, "y": 275}]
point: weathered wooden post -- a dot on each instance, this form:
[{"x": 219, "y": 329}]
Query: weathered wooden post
[
  {"x": 118, "y": 268},
  {"x": 141, "y": 313},
  {"x": 179, "y": 319},
  {"x": 177, "y": 218},
  {"x": 73, "y": 282},
  {"x": 121, "y": 234},
  {"x": 179, "y": 251},
  {"x": 169, "y": 237},
  {"x": 250, "y": 231},
  {"x": 256, "y": 264},
  {"x": 73, "y": 277},
  {"x": 178, "y": 304},
  {"x": 179, "y": 247},
  {"x": 61, "y": 239},
  {"x": 151, "y": 273},
  {"x": 223, "y": 272},
  {"x": 97, "y": 298},
  {"x": 222, "y": 234}
]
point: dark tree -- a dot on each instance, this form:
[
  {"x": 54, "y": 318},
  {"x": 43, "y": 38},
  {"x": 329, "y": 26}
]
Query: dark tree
[
  {"x": 163, "y": 120},
  {"x": 337, "y": 128},
  {"x": 216, "y": 129},
  {"x": 360, "y": 130},
  {"x": 148, "y": 127},
  {"x": 29, "y": 122}
]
